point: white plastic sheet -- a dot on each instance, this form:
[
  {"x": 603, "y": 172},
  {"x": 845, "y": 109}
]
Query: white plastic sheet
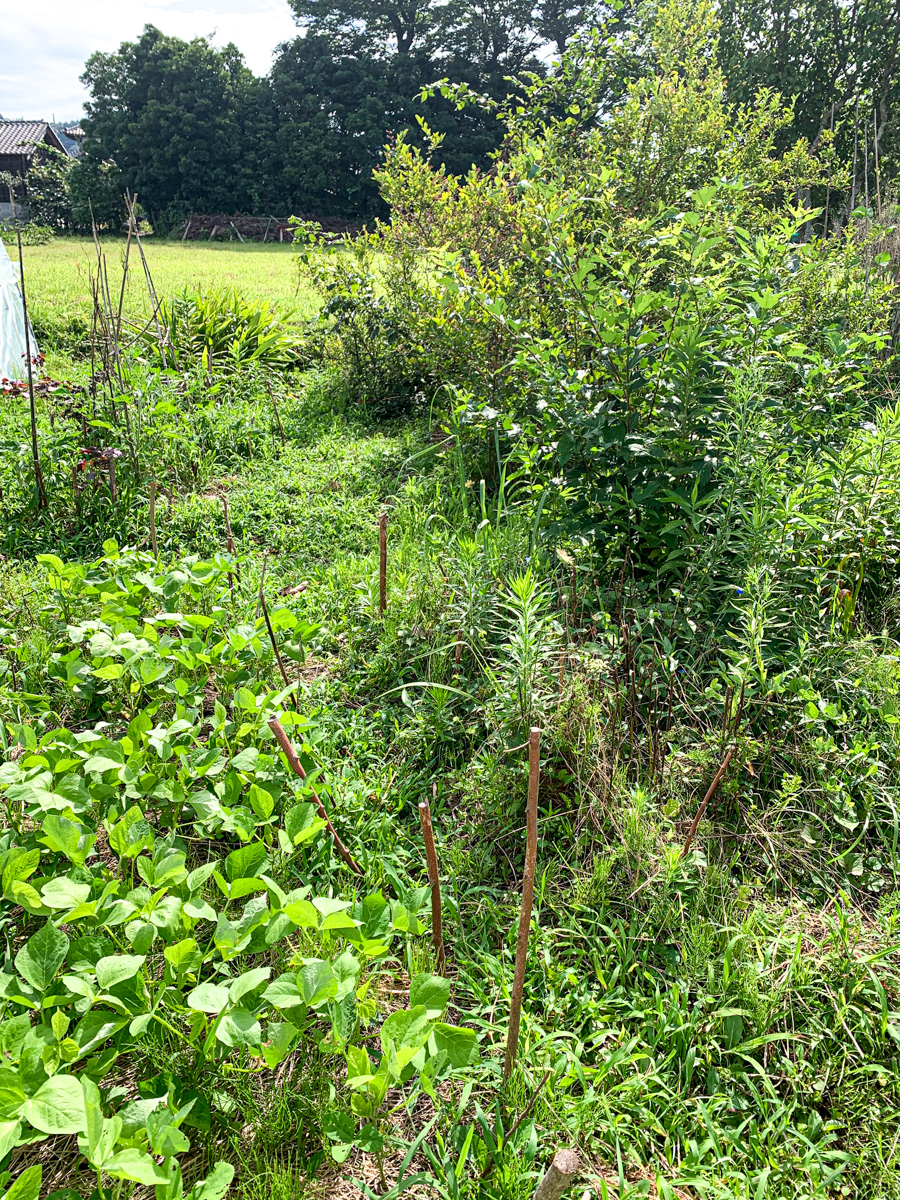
[{"x": 12, "y": 322}]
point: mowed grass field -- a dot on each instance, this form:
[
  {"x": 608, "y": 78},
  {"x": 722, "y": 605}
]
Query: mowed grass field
[{"x": 57, "y": 279}]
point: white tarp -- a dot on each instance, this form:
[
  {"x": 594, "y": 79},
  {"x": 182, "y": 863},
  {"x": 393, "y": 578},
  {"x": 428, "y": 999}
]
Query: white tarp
[{"x": 12, "y": 322}]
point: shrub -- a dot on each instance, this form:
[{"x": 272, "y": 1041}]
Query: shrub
[
  {"x": 33, "y": 234},
  {"x": 220, "y": 330}
]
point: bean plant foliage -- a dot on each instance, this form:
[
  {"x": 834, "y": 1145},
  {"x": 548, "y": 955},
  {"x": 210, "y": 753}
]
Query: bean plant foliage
[{"x": 129, "y": 941}]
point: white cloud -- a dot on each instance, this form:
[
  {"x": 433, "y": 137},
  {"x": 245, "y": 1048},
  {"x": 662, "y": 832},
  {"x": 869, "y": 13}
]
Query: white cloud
[{"x": 44, "y": 43}]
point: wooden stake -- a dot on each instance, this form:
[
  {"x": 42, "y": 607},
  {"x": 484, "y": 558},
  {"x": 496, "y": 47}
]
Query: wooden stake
[
  {"x": 877, "y": 161},
  {"x": 111, "y": 470},
  {"x": 515, "y": 1005},
  {"x": 437, "y": 930},
  {"x": 560, "y": 1176},
  {"x": 706, "y": 799},
  {"x": 278, "y": 658},
  {"x": 297, "y": 767},
  {"x": 153, "y": 518},
  {"x": 229, "y": 543},
  {"x": 382, "y": 565},
  {"x": 38, "y": 475},
  {"x": 275, "y": 409}
]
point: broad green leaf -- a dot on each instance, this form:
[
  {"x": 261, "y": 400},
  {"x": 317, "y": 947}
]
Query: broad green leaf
[
  {"x": 57, "y": 1106},
  {"x": 199, "y": 910},
  {"x": 239, "y": 1028},
  {"x": 41, "y": 956},
  {"x": 184, "y": 956},
  {"x": 359, "y": 1065},
  {"x": 95, "y": 1028},
  {"x": 118, "y": 967},
  {"x": 432, "y": 991},
  {"x": 10, "y": 1136},
  {"x": 374, "y": 916},
  {"x": 408, "y": 1028},
  {"x": 302, "y": 913},
  {"x": 283, "y": 992},
  {"x": 302, "y": 822},
  {"x": 460, "y": 1044},
  {"x": 27, "y": 1186},
  {"x": 12, "y": 1094},
  {"x": 327, "y": 906},
  {"x": 281, "y": 1037},
  {"x": 137, "y": 1166},
  {"x": 342, "y": 1014},
  {"x": 248, "y": 981},
  {"x": 246, "y": 887},
  {"x": 317, "y": 982},
  {"x": 12, "y": 1034},
  {"x": 207, "y": 997},
  {"x": 261, "y": 801},
  {"x": 245, "y": 862},
  {"x": 199, "y": 876},
  {"x": 215, "y": 1185}
]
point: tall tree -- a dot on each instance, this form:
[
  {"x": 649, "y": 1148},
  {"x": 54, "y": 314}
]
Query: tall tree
[
  {"x": 837, "y": 60},
  {"x": 398, "y": 26},
  {"x": 171, "y": 113}
]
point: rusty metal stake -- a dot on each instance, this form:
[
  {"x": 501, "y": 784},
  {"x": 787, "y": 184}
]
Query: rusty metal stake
[
  {"x": 437, "y": 929},
  {"x": 515, "y": 1004}
]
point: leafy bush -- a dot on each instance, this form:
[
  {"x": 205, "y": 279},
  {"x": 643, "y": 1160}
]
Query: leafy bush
[
  {"x": 32, "y": 233},
  {"x": 218, "y": 330}
]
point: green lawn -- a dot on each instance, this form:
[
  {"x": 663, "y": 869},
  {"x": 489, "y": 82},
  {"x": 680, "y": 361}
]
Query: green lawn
[{"x": 57, "y": 278}]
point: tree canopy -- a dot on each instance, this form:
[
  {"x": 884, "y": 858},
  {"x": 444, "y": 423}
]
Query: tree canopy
[{"x": 189, "y": 127}]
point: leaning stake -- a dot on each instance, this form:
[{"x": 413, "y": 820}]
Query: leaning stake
[
  {"x": 382, "y": 563},
  {"x": 38, "y": 476},
  {"x": 437, "y": 930},
  {"x": 515, "y": 1004},
  {"x": 297, "y": 767},
  {"x": 705, "y": 801}
]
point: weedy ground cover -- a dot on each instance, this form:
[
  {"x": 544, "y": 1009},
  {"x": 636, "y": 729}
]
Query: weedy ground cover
[{"x": 635, "y": 443}]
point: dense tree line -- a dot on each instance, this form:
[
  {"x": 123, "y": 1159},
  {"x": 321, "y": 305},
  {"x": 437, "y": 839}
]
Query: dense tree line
[{"x": 190, "y": 128}]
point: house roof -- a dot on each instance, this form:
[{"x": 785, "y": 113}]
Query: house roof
[
  {"x": 21, "y": 137},
  {"x": 71, "y": 137}
]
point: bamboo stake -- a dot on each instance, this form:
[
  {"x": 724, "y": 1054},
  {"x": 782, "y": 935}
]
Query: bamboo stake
[
  {"x": 297, "y": 767},
  {"x": 111, "y": 471},
  {"x": 275, "y": 408},
  {"x": 877, "y": 161},
  {"x": 278, "y": 658},
  {"x": 515, "y": 1004},
  {"x": 437, "y": 929},
  {"x": 706, "y": 799},
  {"x": 229, "y": 543},
  {"x": 153, "y": 518},
  {"x": 38, "y": 475},
  {"x": 382, "y": 562}
]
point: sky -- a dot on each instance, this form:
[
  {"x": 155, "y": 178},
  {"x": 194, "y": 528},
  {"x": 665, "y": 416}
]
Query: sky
[{"x": 44, "y": 43}]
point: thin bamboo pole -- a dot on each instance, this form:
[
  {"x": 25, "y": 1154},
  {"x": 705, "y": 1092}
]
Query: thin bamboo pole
[
  {"x": 382, "y": 563},
  {"x": 38, "y": 475},
  {"x": 275, "y": 409},
  {"x": 515, "y": 1004},
  {"x": 297, "y": 767},
  {"x": 153, "y": 518},
  {"x": 437, "y": 928}
]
